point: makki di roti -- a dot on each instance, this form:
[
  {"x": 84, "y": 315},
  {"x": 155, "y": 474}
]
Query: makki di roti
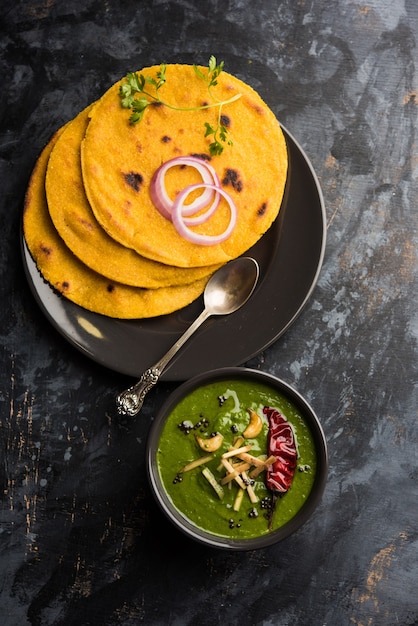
[
  {"x": 108, "y": 248},
  {"x": 76, "y": 224},
  {"x": 73, "y": 279},
  {"x": 119, "y": 160}
]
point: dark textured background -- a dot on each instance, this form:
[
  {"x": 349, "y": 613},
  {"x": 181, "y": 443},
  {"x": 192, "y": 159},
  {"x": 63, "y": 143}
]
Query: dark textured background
[{"x": 81, "y": 540}]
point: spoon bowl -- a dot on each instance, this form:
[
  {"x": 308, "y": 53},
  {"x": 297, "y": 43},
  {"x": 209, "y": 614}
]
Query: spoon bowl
[
  {"x": 227, "y": 290},
  {"x": 231, "y": 286}
]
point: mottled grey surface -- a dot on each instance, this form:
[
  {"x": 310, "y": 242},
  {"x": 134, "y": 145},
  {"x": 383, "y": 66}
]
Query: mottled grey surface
[{"x": 81, "y": 540}]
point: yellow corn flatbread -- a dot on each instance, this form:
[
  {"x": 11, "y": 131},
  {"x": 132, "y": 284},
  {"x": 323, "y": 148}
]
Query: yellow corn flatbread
[
  {"x": 119, "y": 160},
  {"x": 74, "y": 280},
  {"x": 90, "y": 222},
  {"x": 76, "y": 224}
]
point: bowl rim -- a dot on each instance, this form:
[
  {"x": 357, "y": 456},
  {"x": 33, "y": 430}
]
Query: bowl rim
[{"x": 180, "y": 521}]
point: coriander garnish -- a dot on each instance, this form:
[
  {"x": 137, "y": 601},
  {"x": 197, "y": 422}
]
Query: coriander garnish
[
  {"x": 148, "y": 90},
  {"x": 136, "y": 83},
  {"x": 219, "y": 132}
]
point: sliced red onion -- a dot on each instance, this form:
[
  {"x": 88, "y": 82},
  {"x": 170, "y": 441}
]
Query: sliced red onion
[
  {"x": 163, "y": 202},
  {"x": 200, "y": 219},
  {"x": 180, "y": 223}
]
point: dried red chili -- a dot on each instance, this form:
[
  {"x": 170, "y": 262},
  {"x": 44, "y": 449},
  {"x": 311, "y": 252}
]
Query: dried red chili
[{"x": 282, "y": 445}]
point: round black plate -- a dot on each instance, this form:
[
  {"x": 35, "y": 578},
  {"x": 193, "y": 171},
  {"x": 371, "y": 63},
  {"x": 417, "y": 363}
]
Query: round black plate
[{"x": 290, "y": 256}]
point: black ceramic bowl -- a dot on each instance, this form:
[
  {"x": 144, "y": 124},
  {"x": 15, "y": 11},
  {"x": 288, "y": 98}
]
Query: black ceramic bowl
[{"x": 155, "y": 458}]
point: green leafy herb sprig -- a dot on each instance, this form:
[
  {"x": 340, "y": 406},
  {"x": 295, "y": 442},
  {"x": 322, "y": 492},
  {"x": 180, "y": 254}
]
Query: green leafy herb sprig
[{"x": 138, "y": 92}]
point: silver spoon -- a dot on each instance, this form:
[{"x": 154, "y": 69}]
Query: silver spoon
[{"x": 226, "y": 291}]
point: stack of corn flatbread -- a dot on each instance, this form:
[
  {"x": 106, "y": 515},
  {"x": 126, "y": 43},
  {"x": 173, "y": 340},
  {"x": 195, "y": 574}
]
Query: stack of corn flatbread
[{"x": 90, "y": 221}]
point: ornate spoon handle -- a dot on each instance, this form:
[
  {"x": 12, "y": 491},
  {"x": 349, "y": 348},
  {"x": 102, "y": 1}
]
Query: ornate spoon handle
[{"x": 130, "y": 401}]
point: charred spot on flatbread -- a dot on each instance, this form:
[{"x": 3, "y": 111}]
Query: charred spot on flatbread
[
  {"x": 225, "y": 120},
  {"x": 134, "y": 180},
  {"x": 232, "y": 177},
  {"x": 201, "y": 155},
  {"x": 262, "y": 209},
  {"x": 47, "y": 250}
]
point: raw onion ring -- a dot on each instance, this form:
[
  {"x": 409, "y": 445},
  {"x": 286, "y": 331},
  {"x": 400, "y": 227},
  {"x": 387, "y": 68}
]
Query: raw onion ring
[
  {"x": 179, "y": 221},
  {"x": 163, "y": 202}
]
